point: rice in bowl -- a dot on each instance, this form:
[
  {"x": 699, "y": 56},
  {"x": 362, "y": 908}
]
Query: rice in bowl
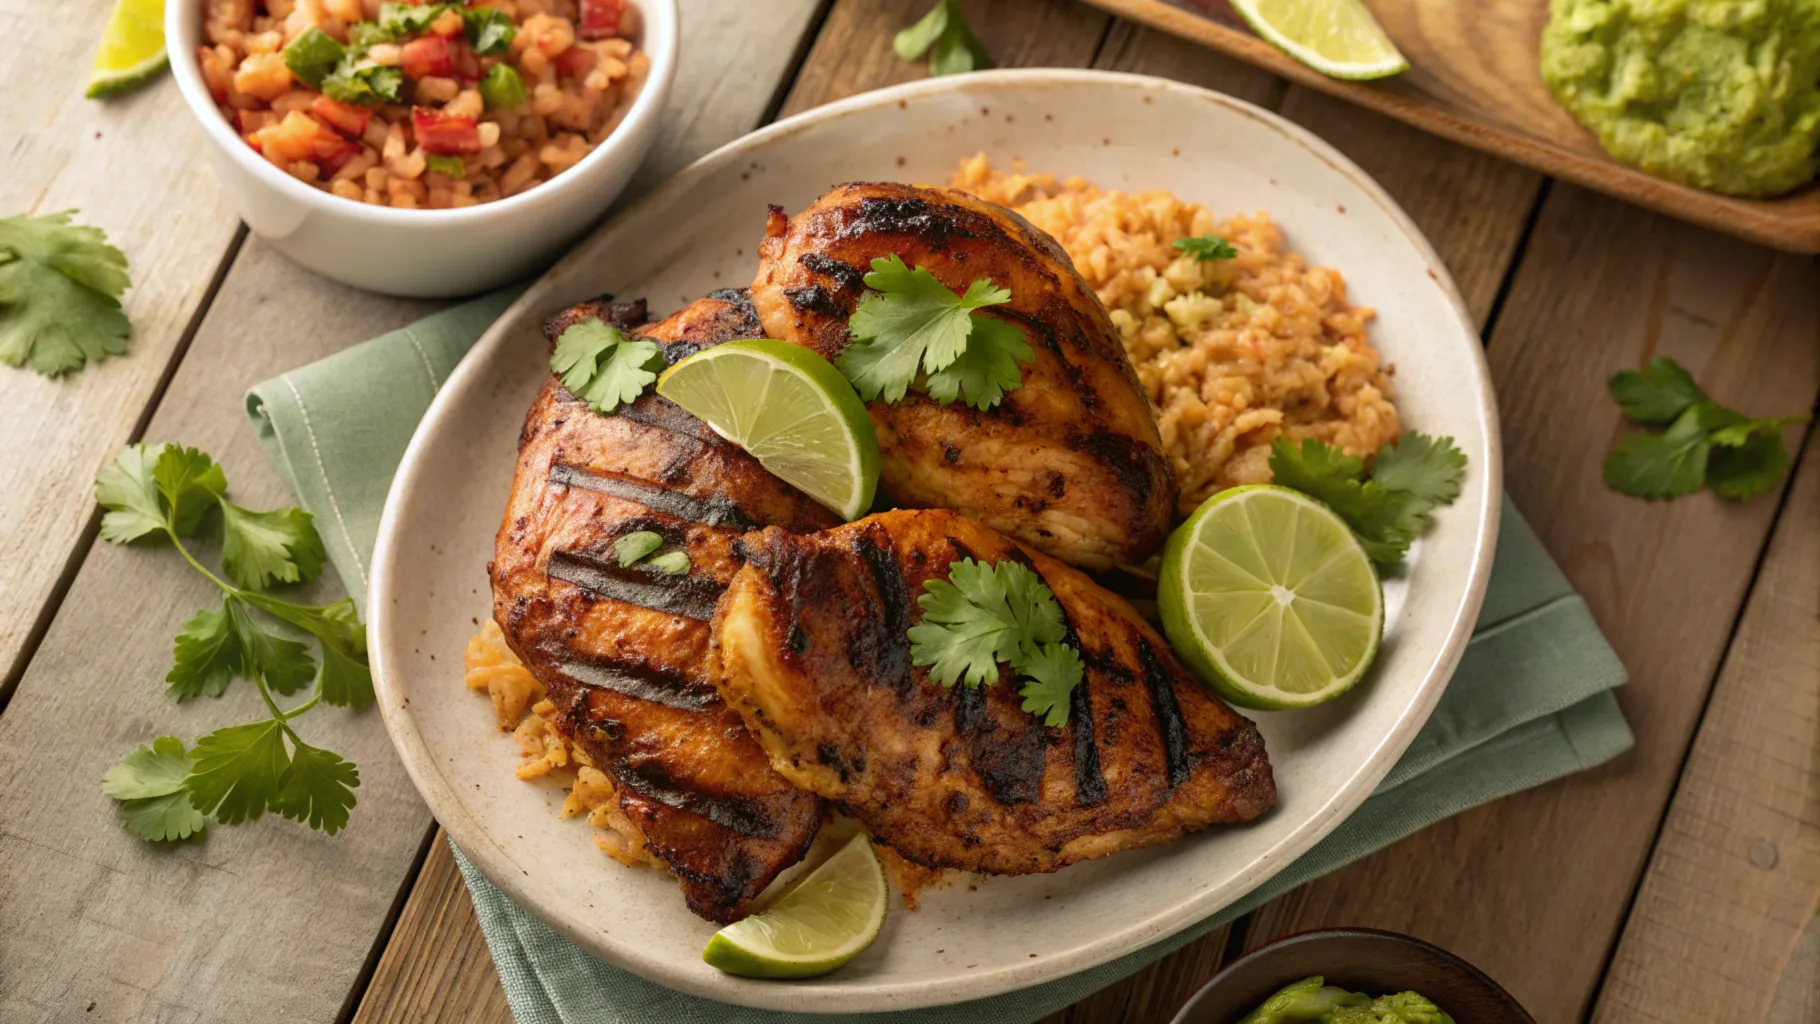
[{"x": 1233, "y": 353}]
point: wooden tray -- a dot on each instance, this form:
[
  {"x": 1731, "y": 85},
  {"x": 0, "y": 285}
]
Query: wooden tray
[{"x": 1474, "y": 78}]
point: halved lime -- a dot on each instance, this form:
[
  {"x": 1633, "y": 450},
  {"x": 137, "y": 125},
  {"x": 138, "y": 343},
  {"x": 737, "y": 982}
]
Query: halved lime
[
  {"x": 1267, "y": 595},
  {"x": 132, "y": 48},
  {"x": 791, "y": 409},
  {"x": 1339, "y": 38},
  {"x": 825, "y": 921}
]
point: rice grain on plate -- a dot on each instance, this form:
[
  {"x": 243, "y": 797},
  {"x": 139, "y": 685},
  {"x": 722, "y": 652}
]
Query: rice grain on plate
[{"x": 1234, "y": 353}]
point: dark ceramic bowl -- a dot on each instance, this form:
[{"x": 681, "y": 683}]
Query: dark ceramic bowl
[{"x": 1362, "y": 960}]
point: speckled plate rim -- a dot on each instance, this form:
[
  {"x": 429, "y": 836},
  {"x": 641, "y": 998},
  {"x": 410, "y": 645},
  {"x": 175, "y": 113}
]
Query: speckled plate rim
[{"x": 832, "y": 995}]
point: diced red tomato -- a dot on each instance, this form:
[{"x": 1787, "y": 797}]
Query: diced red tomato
[
  {"x": 349, "y": 119},
  {"x": 574, "y": 62},
  {"x": 464, "y": 62},
  {"x": 426, "y": 56},
  {"x": 600, "y": 18},
  {"x": 439, "y": 133}
]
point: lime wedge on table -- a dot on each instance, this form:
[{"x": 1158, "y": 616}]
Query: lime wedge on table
[
  {"x": 1267, "y": 594},
  {"x": 791, "y": 409},
  {"x": 132, "y": 48},
  {"x": 1335, "y": 37},
  {"x": 825, "y": 921}
]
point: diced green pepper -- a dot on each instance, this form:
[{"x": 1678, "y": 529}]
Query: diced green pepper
[{"x": 502, "y": 88}]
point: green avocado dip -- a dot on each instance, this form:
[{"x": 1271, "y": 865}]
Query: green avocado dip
[
  {"x": 1718, "y": 94},
  {"x": 1313, "y": 1001}
]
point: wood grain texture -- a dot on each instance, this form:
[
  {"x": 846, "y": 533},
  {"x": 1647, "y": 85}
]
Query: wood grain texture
[
  {"x": 101, "y": 926},
  {"x": 436, "y": 968},
  {"x": 1475, "y": 78},
  {"x": 131, "y": 166},
  {"x": 1534, "y": 888},
  {"x": 1726, "y": 925}
]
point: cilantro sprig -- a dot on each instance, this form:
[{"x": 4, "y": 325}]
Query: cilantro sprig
[
  {"x": 1387, "y": 508},
  {"x": 1206, "y": 247},
  {"x": 602, "y": 366},
  {"x": 944, "y": 35},
  {"x": 1703, "y": 443},
  {"x": 60, "y": 288},
  {"x": 984, "y": 615},
  {"x": 166, "y": 492},
  {"x": 913, "y": 331}
]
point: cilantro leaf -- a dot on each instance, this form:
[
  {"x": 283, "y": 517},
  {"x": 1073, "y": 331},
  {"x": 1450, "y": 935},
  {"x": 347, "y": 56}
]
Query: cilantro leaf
[
  {"x": 987, "y": 369},
  {"x": 60, "y": 288},
  {"x": 1672, "y": 463},
  {"x": 363, "y": 82},
  {"x": 149, "y": 785},
  {"x": 911, "y": 43},
  {"x": 1750, "y": 467},
  {"x": 913, "y": 321},
  {"x": 312, "y": 55},
  {"x": 671, "y": 563},
  {"x": 238, "y": 770},
  {"x": 205, "y": 657},
  {"x": 452, "y": 166},
  {"x": 1053, "y": 672},
  {"x": 130, "y": 494},
  {"x": 1658, "y": 393},
  {"x": 190, "y": 483},
  {"x": 318, "y": 789},
  {"x": 489, "y": 29},
  {"x": 284, "y": 664},
  {"x": 943, "y": 33},
  {"x": 407, "y": 19},
  {"x": 634, "y": 546},
  {"x": 346, "y": 679},
  {"x": 1430, "y": 470},
  {"x": 983, "y": 614},
  {"x": 363, "y": 35},
  {"x": 259, "y": 549},
  {"x": 1205, "y": 247},
  {"x": 157, "y": 770},
  {"x": 603, "y": 367}
]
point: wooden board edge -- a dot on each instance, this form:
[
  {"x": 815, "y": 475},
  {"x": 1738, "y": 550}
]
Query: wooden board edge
[{"x": 1766, "y": 222}]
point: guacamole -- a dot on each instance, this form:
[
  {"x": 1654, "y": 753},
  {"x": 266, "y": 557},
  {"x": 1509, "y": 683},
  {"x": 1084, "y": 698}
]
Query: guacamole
[
  {"x": 1313, "y": 1001},
  {"x": 1718, "y": 94}
]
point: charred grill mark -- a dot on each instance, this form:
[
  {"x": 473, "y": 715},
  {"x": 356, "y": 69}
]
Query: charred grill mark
[
  {"x": 717, "y": 511},
  {"x": 782, "y": 563},
  {"x": 1129, "y": 460},
  {"x": 969, "y": 709},
  {"x": 814, "y": 299},
  {"x": 640, "y": 682},
  {"x": 912, "y": 216},
  {"x": 888, "y": 654},
  {"x": 1089, "y": 783},
  {"x": 689, "y": 596},
  {"x": 1170, "y": 725},
  {"x": 730, "y": 812},
  {"x": 1010, "y": 767},
  {"x": 662, "y": 414},
  {"x": 846, "y": 276},
  {"x": 625, "y": 316},
  {"x": 740, "y": 299}
]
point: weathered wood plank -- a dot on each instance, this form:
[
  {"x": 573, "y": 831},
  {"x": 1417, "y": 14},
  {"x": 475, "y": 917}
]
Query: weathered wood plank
[
  {"x": 1534, "y": 888},
  {"x": 269, "y": 914},
  {"x": 1726, "y": 925},
  {"x": 133, "y": 167}
]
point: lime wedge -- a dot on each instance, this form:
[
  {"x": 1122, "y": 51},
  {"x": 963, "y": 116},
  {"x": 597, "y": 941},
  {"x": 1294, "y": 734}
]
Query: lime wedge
[
  {"x": 1339, "y": 38},
  {"x": 1267, "y": 594},
  {"x": 132, "y": 48},
  {"x": 791, "y": 409},
  {"x": 825, "y": 921}
]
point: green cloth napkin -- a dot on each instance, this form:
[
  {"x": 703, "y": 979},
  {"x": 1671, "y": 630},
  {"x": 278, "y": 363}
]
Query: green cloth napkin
[{"x": 1531, "y": 700}]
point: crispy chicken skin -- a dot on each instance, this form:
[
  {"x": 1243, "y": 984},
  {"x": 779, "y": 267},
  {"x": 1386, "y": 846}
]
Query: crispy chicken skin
[
  {"x": 813, "y": 655},
  {"x": 1071, "y": 462},
  {"x": 624, "y": 652}
]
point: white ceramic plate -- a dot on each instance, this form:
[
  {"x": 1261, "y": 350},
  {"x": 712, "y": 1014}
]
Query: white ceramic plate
[{"x": 697, "y": 232}]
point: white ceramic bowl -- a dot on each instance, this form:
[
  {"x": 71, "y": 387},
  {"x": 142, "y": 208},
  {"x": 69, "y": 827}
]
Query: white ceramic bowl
[
  {"x": 425, "y": 252},
  {"x": 697, "y": 232}
]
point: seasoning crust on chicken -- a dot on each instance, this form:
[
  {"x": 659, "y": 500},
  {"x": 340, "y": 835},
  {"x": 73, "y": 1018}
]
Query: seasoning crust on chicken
[
  {"x": 623, "y": 652},
  {"x": 1071, "y": 462},
  {"x": 813, "y": 653}
]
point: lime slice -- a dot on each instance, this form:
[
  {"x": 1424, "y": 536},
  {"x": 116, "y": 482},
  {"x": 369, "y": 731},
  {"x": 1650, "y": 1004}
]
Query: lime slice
[
  {"x": 1267, "y": 594},
  {"x": 132, "y": 48},
  {"x": 1339, "y": 38},
  {"x": 825, "y": 921},
  {"x": 791, "y": 409}
]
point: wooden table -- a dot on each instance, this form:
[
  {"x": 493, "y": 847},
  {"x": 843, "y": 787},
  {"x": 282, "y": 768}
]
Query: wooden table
[{"x": 1680, "y": 883}]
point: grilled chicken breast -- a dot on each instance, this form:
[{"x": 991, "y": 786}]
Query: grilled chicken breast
[
  {"x": 624, "y": 652},
  {"x": 1071, "y": 462},
  {"x": 813, "y": 654}
]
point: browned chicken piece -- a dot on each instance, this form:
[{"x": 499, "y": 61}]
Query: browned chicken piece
[
  {"x": 624, "y": 652},
  {"x": 1070, "y": 463},
  {"x": 813, "y": 654}
]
